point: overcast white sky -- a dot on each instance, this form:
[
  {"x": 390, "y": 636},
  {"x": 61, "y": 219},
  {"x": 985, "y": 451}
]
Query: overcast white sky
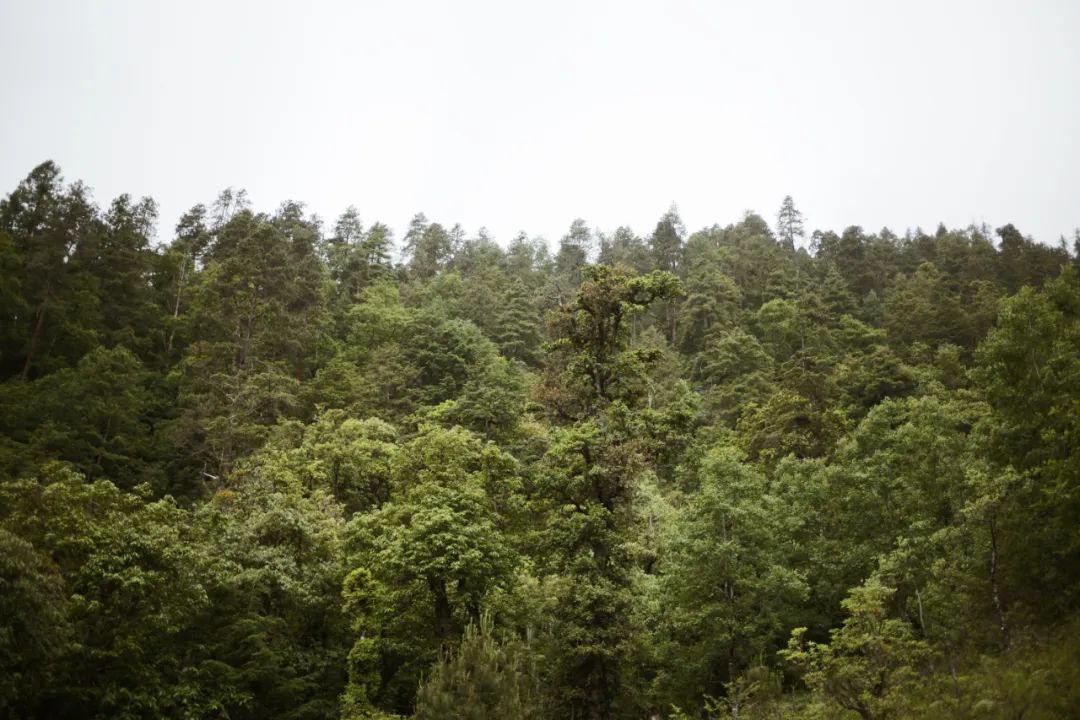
[{"x": 526, "y": 115}]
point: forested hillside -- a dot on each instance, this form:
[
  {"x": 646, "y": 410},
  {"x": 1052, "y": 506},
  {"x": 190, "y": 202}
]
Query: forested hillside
[{"x": 277, "y": 468}]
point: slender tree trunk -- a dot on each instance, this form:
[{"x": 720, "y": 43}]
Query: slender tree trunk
[
  {"x": 443, "y": 614},
  {"x": 176, "y": 310},
  {"x": 995, "y": 589},
  {"x": 35, "y": 337}
]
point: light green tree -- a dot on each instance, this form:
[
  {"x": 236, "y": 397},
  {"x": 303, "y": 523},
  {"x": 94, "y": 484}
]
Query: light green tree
[{"x": 870, "y": 664}]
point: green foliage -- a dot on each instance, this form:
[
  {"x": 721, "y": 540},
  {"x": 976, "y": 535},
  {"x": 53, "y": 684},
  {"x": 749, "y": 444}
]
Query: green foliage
[
  {"x": 1029, "y": 369},
  {"x": 871, "y": 661},
  {"x": 427, "y": 246},
  {"x": 55, "y": 230},
  {"x": 275, "y": 631},
  {"x": 98, "y": 416},
  {"x": 130, "y": 589},
  {"x": 592, "y": 361},
  {"x": 431, "y": 556},
  {"x": 230, "y": 610},
  {"x": 727, "y": 578},
  {"x": 1037, "y": 680},
  {"x": 922, "y": 307},
  {"x": 34, "y": 627},
  {"x": 397, "y": 496},
  {"x": 484, "y": 678},
  {"x": 350, "y": 459}
]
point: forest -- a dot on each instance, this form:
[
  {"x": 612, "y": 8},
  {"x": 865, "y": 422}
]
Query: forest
[{"x": 267, "y": 466}]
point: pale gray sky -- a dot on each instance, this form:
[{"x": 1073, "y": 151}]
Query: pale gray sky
[{"x": 526, "y": 115}]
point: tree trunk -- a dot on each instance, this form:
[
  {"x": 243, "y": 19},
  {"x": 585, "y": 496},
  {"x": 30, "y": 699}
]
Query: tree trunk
[
  {"x": 444, "y": 618},
  {"x": 35, "y": 338},
  {"x": 995, "y": 589}
]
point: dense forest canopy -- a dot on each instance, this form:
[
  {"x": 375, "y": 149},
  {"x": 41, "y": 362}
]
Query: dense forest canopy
[{"x": 273, "y": 468}]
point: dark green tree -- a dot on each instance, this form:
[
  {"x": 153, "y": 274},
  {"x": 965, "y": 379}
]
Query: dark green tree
[
  {"x": 789, "y": 224},
  {"x": 593, "y": 380},
  {"x": 55, "y": 230}
]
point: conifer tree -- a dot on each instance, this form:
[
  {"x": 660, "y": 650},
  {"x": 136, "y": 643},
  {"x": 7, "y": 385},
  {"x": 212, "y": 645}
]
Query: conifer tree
[{"x": 789, "y": 224}]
